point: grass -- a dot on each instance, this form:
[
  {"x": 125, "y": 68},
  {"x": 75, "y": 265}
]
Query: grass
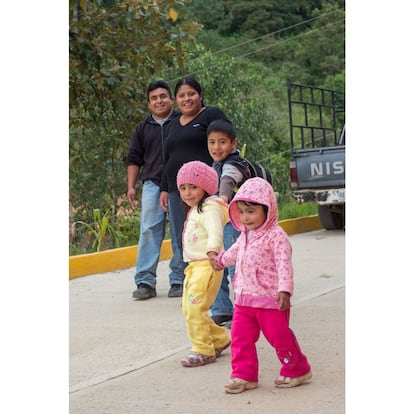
[{"x": 291, "y": 209}]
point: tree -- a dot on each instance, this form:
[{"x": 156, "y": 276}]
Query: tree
[
  {"x": 322, "y": 51},
  {"x": 210, "y": 13},
  {"x": 115, "y": 49},
  {"x": 265, "y": 16}
]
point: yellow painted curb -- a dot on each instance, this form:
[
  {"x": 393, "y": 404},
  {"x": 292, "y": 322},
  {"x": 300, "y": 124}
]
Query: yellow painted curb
[
  {"x": 125, "y": 257},
  {"x": 301, "y": 224},
  {"x": 110, "y": 260}
]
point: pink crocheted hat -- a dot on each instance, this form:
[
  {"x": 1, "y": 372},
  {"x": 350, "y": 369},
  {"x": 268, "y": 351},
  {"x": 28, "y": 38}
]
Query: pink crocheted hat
[{"x": 200, "y": 174}]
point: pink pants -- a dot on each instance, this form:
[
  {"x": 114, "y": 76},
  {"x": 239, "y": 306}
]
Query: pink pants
[{"x": 245, "y": 331}]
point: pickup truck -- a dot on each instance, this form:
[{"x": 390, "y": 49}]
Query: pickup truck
[{"x": 317, "y": 137}]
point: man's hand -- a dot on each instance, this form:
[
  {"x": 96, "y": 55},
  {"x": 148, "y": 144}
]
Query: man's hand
[
  {"x": 131, "y": 197},
  {"x": 133, "y": 173}
]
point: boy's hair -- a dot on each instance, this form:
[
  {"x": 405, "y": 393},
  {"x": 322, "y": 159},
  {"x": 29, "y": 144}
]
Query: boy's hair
[
  {"x": 158, "y": 84},
  {"x": 250, "y": 203},
  {"x": 224, "y": 126}
]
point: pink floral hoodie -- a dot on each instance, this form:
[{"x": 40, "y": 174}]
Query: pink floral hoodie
[{"x": 264, "y": 258}]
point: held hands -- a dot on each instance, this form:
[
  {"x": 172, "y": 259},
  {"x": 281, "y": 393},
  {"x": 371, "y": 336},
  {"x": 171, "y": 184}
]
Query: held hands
[
  {"x": 212, "y": 256},
  {"x": 283, "y": 299}
]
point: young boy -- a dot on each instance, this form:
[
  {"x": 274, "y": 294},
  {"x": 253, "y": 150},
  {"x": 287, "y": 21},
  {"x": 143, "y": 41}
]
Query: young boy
[{"x": 232, "y": 171}]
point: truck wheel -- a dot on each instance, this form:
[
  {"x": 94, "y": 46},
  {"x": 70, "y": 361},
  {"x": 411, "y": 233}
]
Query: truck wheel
[{"x": 332, "y": 217}]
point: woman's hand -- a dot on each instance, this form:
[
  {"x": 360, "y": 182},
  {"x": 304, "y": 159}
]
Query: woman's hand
[{"x": 164, "y": 200}]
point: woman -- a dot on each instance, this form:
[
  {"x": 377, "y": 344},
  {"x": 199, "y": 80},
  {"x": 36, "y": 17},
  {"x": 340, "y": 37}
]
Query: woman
[{"x": 186, "y": 141}]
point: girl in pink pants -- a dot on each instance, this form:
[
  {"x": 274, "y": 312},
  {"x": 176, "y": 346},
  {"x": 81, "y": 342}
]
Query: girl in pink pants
[{"x": 263, "y": 284}]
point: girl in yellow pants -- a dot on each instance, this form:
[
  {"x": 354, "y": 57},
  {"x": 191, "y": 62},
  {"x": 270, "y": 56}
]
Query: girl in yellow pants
[{"x": 203, "y": 236}]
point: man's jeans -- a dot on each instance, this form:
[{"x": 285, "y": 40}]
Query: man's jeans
[
  {"x": 152, "y": 232},
  {"x": 223, "y": 304}
]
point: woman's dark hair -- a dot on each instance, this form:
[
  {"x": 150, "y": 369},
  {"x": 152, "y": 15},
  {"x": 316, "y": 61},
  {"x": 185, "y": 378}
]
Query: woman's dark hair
[
  {"x": 249, "y": 203},
  {"x": 190, "y": 82}
]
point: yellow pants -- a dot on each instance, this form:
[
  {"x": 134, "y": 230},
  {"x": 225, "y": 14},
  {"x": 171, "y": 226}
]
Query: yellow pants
[{"x": 201, "y": 285}]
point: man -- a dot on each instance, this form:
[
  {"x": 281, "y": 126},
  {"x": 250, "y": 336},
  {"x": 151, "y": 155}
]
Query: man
[{"x": 145, "y": 160}]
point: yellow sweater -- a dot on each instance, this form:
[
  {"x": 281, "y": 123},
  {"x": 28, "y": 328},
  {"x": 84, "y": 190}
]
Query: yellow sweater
[{"x": 203, "y": 232}]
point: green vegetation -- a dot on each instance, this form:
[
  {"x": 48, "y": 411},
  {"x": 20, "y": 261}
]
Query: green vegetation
[
  {"x": 99, "y": 231},
  {"x": 242, "y": 52},
  {"x": 291, "y": 209},
  {"x": 125, "y": 230}
]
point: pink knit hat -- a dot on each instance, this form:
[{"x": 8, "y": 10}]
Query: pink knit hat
[{"x": 200, "y": 174}]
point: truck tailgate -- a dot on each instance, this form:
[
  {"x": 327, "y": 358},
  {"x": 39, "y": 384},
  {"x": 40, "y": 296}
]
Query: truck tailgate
[{"x": 320, "y": 167}]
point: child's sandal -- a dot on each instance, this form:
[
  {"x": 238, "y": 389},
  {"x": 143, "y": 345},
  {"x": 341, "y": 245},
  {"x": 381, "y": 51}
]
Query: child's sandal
[
  {"x": 289, "y": 382},
  {"x": 196, "y": 359},
  {"x": 220, "y": 350},
  {"x": 238, "y": 385}
]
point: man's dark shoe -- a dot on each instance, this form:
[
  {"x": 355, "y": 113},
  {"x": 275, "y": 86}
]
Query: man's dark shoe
[
  {"x": 222, "y": 319},
  {"x": 144, "y": 292},
  {"x": 176, "y": 291}
]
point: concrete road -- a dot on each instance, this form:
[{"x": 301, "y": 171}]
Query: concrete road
[{"x": 125, "y": 354}]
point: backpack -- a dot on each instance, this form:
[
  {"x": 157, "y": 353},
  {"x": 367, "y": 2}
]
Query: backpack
[{"x": 257, "y": 170}]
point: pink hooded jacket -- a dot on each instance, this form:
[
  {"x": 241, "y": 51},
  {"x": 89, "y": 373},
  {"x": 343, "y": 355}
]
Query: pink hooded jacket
[{"x": 264, "y": 261}]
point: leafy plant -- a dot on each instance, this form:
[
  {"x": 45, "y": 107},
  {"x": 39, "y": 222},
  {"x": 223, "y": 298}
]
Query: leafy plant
[
  {"x": 98, "y": 230},
  {"x": 127, "y": 228},
  {"x": 115, "y": 48}
]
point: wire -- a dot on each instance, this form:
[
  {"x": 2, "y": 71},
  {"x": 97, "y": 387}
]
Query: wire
[
  {"x": 287, "y": 40},
  {"x": 272, "y": 33},
  {"x": 261, "y": 37},
  {"x": 259, "y": 50}
]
